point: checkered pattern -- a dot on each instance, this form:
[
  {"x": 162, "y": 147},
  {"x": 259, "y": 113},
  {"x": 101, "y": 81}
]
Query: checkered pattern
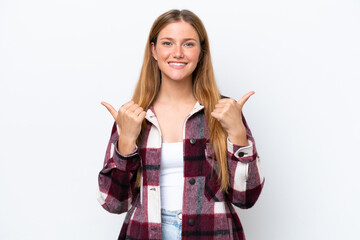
[{"x": 207, "y": 212}]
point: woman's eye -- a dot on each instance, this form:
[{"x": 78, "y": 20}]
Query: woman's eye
[
  {"x": 167, "y": 43},
  {"x": 189, "y": 44}
]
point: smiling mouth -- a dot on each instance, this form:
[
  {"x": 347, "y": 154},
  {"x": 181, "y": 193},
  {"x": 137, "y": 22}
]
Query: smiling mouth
[{"x": 177, "y": 64}]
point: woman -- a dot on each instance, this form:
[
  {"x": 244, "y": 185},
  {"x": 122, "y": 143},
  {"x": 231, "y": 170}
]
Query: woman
[{"x": 183, "y": 153}]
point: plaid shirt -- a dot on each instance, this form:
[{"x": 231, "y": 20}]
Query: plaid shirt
[{"x": 207, "y": 212}]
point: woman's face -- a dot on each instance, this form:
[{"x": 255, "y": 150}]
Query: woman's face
[{"x": 177, "y": 51}]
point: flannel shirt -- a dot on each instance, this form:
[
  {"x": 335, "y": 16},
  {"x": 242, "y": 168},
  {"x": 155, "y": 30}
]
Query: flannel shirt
[{"x": 207, "y": 212}]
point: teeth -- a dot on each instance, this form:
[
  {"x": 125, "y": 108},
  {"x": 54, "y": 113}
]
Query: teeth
[{"x": 177, "y": 64}]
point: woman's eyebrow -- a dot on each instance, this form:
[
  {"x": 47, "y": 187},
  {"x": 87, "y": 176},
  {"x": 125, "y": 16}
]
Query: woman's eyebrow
[{"x": 172, "y": 39}]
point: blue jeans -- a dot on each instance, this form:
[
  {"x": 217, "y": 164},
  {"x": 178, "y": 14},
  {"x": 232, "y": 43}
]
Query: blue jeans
[{"x": 171, "y": 224}]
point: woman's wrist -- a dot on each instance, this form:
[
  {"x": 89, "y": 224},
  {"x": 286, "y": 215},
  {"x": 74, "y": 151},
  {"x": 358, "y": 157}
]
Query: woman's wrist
[
  {"x": 126, "y": 145},
  {"x": 239, "y": 137}
]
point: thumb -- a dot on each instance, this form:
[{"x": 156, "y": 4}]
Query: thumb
[
  {"x": 243, "y": 100},
  {"x": 111, "y": 109}
]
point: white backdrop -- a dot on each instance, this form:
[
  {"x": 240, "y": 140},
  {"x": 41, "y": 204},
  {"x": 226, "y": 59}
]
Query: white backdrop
[{"x": 59, "y": 59}]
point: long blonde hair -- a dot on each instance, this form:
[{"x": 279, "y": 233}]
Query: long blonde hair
[{"x": 204, "y": 86}]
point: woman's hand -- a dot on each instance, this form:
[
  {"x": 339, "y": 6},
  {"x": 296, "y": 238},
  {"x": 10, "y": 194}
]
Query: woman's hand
[
  {"x": 129, "y": 119},
  {"x": 228, "y": 112}
]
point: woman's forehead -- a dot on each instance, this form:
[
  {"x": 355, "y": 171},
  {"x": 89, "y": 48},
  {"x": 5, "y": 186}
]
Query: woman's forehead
[{"x": 178, "y": 30}]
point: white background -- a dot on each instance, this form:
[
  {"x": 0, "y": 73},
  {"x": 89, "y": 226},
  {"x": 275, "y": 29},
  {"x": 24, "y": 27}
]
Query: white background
[{"x": 59, "y": 59}]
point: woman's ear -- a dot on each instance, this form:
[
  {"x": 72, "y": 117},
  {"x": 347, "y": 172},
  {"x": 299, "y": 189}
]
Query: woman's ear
[{"x": 153, "y": 51}]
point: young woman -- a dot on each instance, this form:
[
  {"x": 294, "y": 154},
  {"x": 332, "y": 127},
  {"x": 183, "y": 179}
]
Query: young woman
[{"x": 179, "y": 154}]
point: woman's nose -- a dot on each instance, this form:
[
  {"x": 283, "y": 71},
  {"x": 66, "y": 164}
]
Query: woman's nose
[{"x": 178, "y": 52}]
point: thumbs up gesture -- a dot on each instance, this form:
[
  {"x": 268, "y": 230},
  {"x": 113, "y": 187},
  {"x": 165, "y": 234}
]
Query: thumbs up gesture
[
  {"x": 128, "y": 119},
  {"x": 228, "y": 112}
]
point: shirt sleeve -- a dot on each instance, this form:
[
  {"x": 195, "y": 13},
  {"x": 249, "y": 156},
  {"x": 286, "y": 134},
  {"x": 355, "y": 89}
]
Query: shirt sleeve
[
  {"x": 246, "y": 177},
  {"x": 117, "y": 177}
]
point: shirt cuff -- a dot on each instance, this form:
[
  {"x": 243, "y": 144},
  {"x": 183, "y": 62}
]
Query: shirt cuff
[
  {"x": 128, "y": 161},
  {"x": 241, "y": 153}
]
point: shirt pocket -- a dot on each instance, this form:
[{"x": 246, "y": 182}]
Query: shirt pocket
[{"x": 212, "y": 187}]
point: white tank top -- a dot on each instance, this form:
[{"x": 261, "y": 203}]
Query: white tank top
[{"x": 172, "y": 175}]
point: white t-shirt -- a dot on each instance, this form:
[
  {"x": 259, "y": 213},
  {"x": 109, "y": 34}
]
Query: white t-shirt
[{"x": 172, "y": 175}]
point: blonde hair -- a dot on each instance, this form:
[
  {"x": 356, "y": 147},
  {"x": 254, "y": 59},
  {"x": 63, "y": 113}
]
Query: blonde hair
[{"x": 205, "y": 89}]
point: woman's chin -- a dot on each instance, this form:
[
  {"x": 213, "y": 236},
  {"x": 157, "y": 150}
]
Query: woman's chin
[{"x": 178, "y": 78}]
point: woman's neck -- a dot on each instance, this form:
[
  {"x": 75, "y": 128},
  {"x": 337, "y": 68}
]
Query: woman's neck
[{"x": 176, "y": 91}]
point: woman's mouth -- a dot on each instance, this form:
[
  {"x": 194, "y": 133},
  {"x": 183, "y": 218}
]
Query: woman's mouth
[{"x": 177, "y": 65}]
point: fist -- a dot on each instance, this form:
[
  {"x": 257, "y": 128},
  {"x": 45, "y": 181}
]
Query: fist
[
  {"x": 228, "y": 112},
  {"x": 128, "y": 118}
]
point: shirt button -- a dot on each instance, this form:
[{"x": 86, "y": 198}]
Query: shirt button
[
  {"x": 191, "y": 222},
  {"x": 192, "y": 141},
  {"x": 241, "y": 154},
  {"x": 192, "y": 181}
]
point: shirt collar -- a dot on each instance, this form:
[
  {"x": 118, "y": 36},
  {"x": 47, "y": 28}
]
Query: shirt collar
[{"x": 150, "y": 113}]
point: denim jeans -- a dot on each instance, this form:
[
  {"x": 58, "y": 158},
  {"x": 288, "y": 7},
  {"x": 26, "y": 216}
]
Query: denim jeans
[{"x": 171, "y": 224}]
